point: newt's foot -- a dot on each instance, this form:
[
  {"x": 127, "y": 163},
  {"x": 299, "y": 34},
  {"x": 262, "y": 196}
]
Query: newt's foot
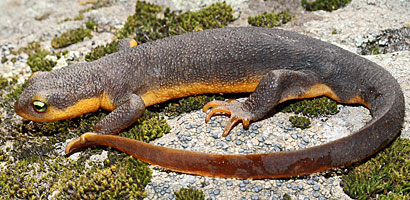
[
  {"x": 233, "y": 108},
  {"x": 78, "y": 143}
]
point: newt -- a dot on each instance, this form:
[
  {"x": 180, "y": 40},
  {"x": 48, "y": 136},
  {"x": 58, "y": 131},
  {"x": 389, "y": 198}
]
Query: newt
[{"x": 273, "y": 65}]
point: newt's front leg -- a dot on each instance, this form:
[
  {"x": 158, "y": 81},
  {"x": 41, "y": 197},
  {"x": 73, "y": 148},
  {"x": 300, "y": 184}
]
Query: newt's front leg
[
  {"x": 122, "y": 117},
  {"x": 275, "y": 87}
]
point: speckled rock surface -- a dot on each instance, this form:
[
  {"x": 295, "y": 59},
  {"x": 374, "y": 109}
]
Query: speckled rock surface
[{"x": 343, "y": 27}]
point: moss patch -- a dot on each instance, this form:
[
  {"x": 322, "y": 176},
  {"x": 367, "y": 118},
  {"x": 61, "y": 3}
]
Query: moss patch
[
  {"x": 101, "y": 51},
  {"x": 120, "y": 177},
  {"x": 4, "y": 59},
  {"x": 189, "y": 194},
  {"x": 384, "y": 176},
  {"x": 299, "y": 122},
  {"x": 6, "y": 82},
  {"x": 38, "y": 61},
  {"x": 3, "y": 156},
  {"x": 313, "y": 107},
  {"x": 328, "y": 5},
  {"x": 90, "y": 25},
  {"x": 149, "y": 127},
  {"x": 70, "y": 37},
  {"x": 10, "y": 93},
  {"x": 309, "y": 107},
  {"x": 271, "y": 19},
  {"x": 178, "y": 106},
  {"x": 145, "y": 19},
  {"x": 146, "y": 25},
  {"x": 217, "y": 15},
  {"x": 37, "y": 57}
]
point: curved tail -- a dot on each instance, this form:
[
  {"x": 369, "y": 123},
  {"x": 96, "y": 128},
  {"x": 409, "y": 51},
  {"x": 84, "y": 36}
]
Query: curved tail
[{"x": 383, "y": 128}]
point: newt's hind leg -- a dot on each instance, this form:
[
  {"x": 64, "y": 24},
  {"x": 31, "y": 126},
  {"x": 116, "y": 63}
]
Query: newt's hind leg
[{"x": 275, "y": 87}]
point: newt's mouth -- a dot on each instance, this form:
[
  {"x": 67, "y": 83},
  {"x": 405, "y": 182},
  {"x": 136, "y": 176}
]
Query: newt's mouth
[
  {"x": 19, "y": 110},
  {"x": 23, "y": 112}
]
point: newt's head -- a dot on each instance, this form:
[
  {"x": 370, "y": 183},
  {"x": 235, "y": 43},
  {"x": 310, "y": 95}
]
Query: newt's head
[{"x": 56, "y": 95}]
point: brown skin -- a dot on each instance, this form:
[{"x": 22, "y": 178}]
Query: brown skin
[{"x": 275, "y": 65}]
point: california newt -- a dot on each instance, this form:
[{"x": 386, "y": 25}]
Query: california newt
[{"x": 275, "y": 65}]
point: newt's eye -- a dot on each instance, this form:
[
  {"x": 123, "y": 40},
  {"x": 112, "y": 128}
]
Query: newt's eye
[{"x": 39, "y": 106}]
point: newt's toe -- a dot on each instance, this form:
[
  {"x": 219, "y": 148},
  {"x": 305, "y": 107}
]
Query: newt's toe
[
  {"x": 217, "y": 110},
  {"x": 214, "y": 103},
  {"x": 233, "y": 108},
  {"x": 229, "y": 125}
]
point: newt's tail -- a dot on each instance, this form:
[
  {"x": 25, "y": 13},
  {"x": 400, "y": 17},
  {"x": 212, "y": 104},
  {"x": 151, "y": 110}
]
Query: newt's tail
[{"x": 387, "y": 113}]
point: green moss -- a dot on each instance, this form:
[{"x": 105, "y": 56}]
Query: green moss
[
  {"x": 147, "y": 26},
  {"x": 101, "y": 51},
  {"x": 79, "y": 17},
  {"x": 299, "y": 122},
  {"x": 3, "y": 156},
  {"x": 5, "y": 82},
  {"x": 38, "y": 61},
  {"x": 313, "y": 107},
  {"x": 149, "y": 127},
  {"x": 70, "y": 37},
  {"x": 13, "y": 94},
  {"x": 217, "y": 15},
  {"x": 384, "y": 176},
  {"x": 37, "y": 55},
  {"x": 80, "y": 124},
  {"x": 39, "y": 138},
  {"x": 120, "y": 177},
  {"x": 60, "y": 54},
  {"x": 187, "y": 104},
  {"x": 31, "y": 48},
  {"x": 328, "y": 5},
  {"x": 4, "y": 59},
  {"x": 189, "y": 194},
  {"x": 145, "y": 19},
  {"x": 287, "y": 197},
  {"x": 90, "y": 25},
  {"x": 9, "y": 92},
  {"x": 271, "y": 19},
  {"x": 374, "y": 50}
]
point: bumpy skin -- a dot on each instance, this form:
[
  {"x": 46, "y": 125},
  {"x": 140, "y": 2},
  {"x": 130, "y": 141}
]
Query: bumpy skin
[{"x": 275, "y": 65}]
